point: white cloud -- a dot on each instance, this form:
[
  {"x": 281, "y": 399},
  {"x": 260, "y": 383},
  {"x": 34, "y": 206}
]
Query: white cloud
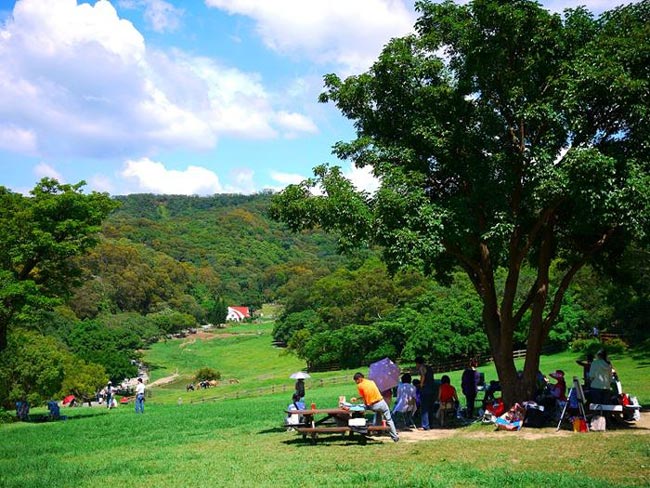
[
  {"x": 287, "y": 178},
  {"x": 362, "y": 178},
  {"x": 17, "y": 139},
  {"x": 44, "y": 170},
  {"x": 154, "y": 177},
  {"x": 295, "y": 123},
  {"x": 348, "y": 33},
  {"x": 160, "y": 15},
  {"x": 101, "y": 183},
  {"x": 78, "y": 81},
  {"x": 242, "y": 181}
]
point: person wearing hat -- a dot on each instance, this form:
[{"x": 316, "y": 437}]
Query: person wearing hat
[
  {"x": 139, "y": 396},
  {"x": 558, "y": 390}
]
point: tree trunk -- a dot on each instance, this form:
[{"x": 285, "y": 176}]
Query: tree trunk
[
  {"x": 3, "y": 335},
  {"x": 515, "y": 386}
]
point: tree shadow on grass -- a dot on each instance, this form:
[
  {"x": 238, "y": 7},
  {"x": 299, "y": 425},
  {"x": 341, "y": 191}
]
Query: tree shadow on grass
[
  {"x": 273, "y": 430},
  {"x": 45, "y": 419},
  {"x": 333, "y": 439}
]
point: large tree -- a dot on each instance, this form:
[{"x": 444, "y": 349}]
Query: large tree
[
  {"x": 502, "y": 134},
  {"x": 40, "y": 235}
]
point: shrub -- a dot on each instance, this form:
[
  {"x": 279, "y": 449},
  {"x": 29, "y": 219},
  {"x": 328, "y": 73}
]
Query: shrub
[
  {"x": 207, "y": 374},
  {"x": 586, "y": 346},
  {"x": 6, "y": 417},
  {"x": 614, "y": 345}
]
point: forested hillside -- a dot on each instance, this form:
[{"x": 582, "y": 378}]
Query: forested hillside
[{"x": 228, "y": 243}]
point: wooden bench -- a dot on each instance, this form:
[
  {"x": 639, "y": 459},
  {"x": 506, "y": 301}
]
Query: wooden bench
[
  {"x": 598, "y": 407},
  {"x": 341, "y": 429}
]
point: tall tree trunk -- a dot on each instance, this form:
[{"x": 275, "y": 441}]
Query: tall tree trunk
[{"x": 3, "y": 335}]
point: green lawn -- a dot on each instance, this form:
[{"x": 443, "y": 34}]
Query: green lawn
[{"x": 240, "y": 442}]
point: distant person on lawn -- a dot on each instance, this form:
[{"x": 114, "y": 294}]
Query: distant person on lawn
[
  {"x": 109, "y": 395},
  {"x": 139, "y": 397},
  {"x": 374, "y": 401}
]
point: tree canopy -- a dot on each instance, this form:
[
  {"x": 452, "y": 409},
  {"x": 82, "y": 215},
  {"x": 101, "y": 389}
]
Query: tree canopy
[
  {"x": 503, "y": 135},
  {"x": 40, "y": 234}
]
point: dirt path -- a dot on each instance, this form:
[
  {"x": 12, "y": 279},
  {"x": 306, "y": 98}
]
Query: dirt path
[
  {"x": 165, "y": 380},
  {"x": 641, "y": 427}
]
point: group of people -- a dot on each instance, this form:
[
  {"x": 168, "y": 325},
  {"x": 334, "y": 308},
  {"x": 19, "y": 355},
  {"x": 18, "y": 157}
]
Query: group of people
[
  {"x": 424, "y": 396},
  {"x": 108, "y": 394},
  {"x": 429, "y": 397},
  {"x": 421, "y": 399}
]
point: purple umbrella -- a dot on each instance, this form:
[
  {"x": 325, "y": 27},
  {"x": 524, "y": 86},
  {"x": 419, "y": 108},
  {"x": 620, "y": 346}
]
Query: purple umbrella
[{"x": 385, "y": 374}]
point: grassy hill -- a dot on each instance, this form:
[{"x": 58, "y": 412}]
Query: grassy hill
[{"x": 240, "y": 442}]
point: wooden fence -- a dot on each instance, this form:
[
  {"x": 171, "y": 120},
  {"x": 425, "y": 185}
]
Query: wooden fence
[{"x": 319, "y": 383}]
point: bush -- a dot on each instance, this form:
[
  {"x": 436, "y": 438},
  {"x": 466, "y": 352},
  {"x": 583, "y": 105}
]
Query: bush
[
  {"x": 614, "y": 345},
  {"x": 6, "y": 417},
  {"x": 207, "y": 374},
  {"x": 586, "y": 346}
]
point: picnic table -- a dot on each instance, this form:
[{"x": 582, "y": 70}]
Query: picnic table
[{"x": 333, "y": 421}]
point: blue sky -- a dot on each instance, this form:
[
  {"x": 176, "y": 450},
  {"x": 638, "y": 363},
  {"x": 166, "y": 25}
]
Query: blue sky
[{"x": 184, "y": 97}]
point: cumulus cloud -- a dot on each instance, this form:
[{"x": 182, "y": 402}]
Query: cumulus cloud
[
  {"x": 161, "y": 16},
  {"x": 285, "y": 179},
  {"x": 347, "y": 33},
  {"x": 17, "y": 139},
  {"x": 295, "y": 124},
  {"x": 362, "y": 178},
  {"x": 99, "y": 182},
  {"x": 44, "y": 170},
  {"x": 242, "y": 182},
  {"x": 154, "y": 177},
  {"x": 76, "y": 80}
]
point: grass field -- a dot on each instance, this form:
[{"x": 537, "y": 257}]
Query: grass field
[{"x": 240, "y": 442}]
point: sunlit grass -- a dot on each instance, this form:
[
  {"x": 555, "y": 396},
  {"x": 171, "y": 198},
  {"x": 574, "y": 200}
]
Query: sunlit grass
[{"x": 241, "y": 442}]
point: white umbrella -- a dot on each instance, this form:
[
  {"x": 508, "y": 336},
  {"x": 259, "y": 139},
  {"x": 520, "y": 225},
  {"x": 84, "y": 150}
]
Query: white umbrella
[
  {"x": 300, "y": 375},
  {"x": 385, "y": 374}
]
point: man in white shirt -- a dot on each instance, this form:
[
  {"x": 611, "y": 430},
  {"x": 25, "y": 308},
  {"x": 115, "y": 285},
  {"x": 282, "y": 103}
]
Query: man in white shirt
[{"x": 139, "y": 397}]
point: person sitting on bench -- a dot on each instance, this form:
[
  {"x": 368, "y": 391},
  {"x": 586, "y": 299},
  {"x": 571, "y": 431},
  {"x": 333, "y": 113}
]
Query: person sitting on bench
[{"x": 296, "y": 404}]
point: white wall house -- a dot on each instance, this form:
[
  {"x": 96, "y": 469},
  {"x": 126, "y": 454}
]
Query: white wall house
[{"x": 237, "y": 314}]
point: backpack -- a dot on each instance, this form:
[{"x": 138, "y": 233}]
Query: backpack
[{"x": 598, "y": 423}]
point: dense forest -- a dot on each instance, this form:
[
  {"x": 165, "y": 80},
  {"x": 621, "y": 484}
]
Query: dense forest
[{"x": 165, "y": 263}]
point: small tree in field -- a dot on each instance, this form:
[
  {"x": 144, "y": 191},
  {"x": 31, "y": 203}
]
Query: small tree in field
[
  {"x": 502, "y": 135},
  {"x": 207, "y": 374}
]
